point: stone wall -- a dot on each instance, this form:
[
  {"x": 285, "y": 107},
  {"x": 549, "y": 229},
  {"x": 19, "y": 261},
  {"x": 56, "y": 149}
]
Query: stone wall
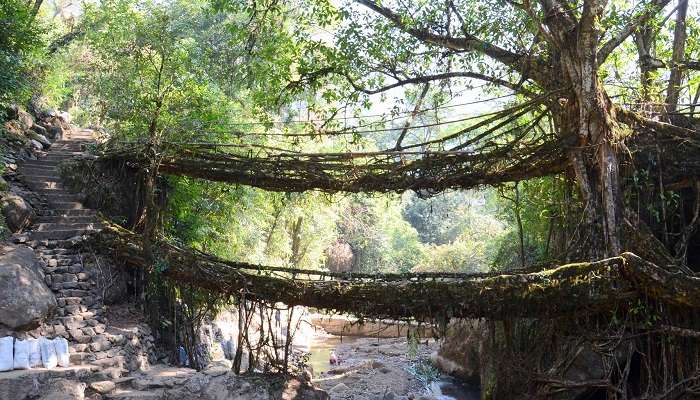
[{"x": 94, "y": 331}]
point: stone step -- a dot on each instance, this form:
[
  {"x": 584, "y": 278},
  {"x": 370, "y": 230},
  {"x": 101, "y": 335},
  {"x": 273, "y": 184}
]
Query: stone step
[
  {"x": 82, "y": 212},
  {"x": 55, "y": 191},
  {"x": 67, "y": 197},
  {"x": 48, "y": 176},
  {"x": 109, "y": 362},
  {"x": 56, "y": 235},
  {"x": 39, "y": 186},
  {"x": 67, "y": 153},
  {"x": 114, "y": 374},
  {"x": 39, "y": 163},
  {"x": 81, "y": 358},
  {"x": 56, "y": 251},
  {"x": 68, "y": 149},
  {"x": 63, "y": 260},
  {"x": 76, "y": 142},
  {"x": 64, "y": 226},
  {"x": 59, "y": 250},
  {"x": 58, "y": 158},
  {"x": 128, "y": 394},
  {"x": 67, "y": 205},
  {"x": 72, "y": 140},
  {"x": 69, "y": 300},
  {"x": 60, "y": 258},
  {"x": 37, "y": 171},
  {"x": 67, "y": 219},
  {"x": 45, "y": 177}
]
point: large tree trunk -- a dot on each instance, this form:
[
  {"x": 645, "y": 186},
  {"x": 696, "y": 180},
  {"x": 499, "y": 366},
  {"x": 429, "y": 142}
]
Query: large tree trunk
[
  {"x": 587, "y": 114},
  {"x": 595, "y": 166}
]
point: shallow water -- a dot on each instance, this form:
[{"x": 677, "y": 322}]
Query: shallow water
[
  {"x": 320, "y": 351},
  {"x": 449, "y": 389}
]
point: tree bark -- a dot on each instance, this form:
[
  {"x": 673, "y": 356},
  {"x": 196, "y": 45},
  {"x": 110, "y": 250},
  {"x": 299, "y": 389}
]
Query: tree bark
[{"x": 677, "y": 59}]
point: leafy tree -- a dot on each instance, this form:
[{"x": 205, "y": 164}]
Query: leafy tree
[
  {"x": 574, "y": 49},
  {"x": 148, "y": 71},
  {"x": 21, "y": 41},
  {"x": 380, "y": 239}
]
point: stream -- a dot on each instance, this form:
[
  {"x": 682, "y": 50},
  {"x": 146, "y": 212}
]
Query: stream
[{"x": 372, "y": 368}]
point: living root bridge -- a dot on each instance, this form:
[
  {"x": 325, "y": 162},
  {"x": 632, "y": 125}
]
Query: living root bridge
[
  {"x": 384, "y": 171},
  {"x": 486, "y": 159},
  {"x": 559, "y": 291}
]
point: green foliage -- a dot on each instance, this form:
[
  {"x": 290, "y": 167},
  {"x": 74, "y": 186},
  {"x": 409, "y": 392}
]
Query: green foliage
[
  {"x": 21, "y": 39},
  {"x": 542, "y": 206},
  {"x": 148, "y": 70},
  {"x": 222, "y": 72},
  {"x": 252, "y": 225},
  {"x": 381, "y": 240}
]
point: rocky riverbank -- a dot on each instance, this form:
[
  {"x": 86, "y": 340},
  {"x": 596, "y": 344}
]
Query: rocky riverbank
[
  {"x": 382, "y": 369},
  {"x": 159, "y": 382}
]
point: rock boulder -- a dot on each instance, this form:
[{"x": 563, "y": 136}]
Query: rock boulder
[
  {"x": 40, "y": 138},
  {"x": 25, "y": 300},
  {"x": 461, "y": 351},
  {"x": 17, "y": 212},
  {"x": 25, "y": 119}
]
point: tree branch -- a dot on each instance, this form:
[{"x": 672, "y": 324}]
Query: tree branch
[
  {"x": 409, "y": 121},
  {"x": 651, "y": 10},
  {"x": 470, "y": 42},
  {"x": 438, "y": 77},
  {"x": 679, "y": 37}
]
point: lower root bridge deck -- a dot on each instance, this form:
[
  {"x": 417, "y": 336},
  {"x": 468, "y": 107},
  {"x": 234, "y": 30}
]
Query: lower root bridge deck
[{"x": 557, "y": 291}]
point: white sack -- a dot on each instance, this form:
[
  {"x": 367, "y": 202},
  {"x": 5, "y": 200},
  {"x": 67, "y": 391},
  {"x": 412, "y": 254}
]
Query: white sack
[
  {"x": 6, "y": 353},
  {"x": 21, "y": 360},
  {"x": 48, "y": 353},
  {"x": 34, "y": 353},
  {"x": 61, "y": 346}
]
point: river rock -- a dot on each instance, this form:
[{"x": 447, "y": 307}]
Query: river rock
[
  {"x": 25, "y": 300},
  {"x": 18, "y": 213}
]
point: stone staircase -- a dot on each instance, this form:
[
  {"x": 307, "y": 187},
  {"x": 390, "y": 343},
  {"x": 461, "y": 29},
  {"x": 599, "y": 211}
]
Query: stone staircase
[
  {"x": 62, "y": 221},
  {"x": 64, "y": 215}
]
